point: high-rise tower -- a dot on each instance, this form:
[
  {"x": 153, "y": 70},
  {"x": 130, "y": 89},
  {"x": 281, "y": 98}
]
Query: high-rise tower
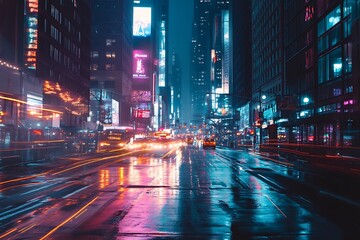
[
  {"x": 51, "y": 40},
  {"x": 111, "y": 62}
]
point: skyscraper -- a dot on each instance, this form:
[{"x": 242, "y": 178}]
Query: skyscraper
[
  {"x": 321, "y": 72},
  {"x": 240, "y": 20},
  {"x": 51, "y": 40},
  {"x": 151, "y": 90},
  {"x": 111, "y": 62},
  {"x": 175, "y": 85},
  {"x": 267, "y": 61},
  {"x": 200, "y": 58}
]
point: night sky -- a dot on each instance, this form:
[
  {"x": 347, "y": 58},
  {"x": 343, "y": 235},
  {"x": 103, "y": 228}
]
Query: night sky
[{"x": 180, "y": 24}]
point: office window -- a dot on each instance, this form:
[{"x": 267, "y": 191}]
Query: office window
[
  {"x": 347, "y": 7},
  {"x": 348, "y": 57},
  {"x": 94, "y": 54},
  {"x": 94, "y": 67},
  {"x": 347, "y": 27},
  {"x": 330, "y": 66},
  {"x": 329, "y": 20},
  {"x": 329, "y": 39},
  {"x": 110, "y": 55},
  {"x": 109, "y": 67},
  {"x": 110, "y": 42}
]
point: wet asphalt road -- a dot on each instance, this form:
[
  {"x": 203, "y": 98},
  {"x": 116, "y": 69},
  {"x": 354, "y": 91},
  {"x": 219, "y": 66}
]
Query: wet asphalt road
[{"x": 190, "y": 193}]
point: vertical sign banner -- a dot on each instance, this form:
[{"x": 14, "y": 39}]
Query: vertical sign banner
[
  {"x": 226, "y": 50},
  {"x": 141, "y": 62},
  {"x": 115, "y": 112},
  {"x": 142, "y": 22},
  {"x": 31, "y": 33},
  {"x": 55, "y": 120},
  {"x": 162, "y": 57}
]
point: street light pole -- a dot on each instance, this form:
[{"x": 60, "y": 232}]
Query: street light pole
[
  {"x": 234, "y": 121},
  {"x": 261, "y": 115}
]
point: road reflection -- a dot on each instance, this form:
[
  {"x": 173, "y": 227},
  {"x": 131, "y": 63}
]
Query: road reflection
[{"x": 170, "y": 192}]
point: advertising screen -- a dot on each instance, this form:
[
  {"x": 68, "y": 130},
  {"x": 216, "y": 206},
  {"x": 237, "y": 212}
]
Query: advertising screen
[
  {"x": 142, "y": 22},
  {"x": 115, "y": 112},
  {"x": 31, "y": 38},
  {"x": 140, "y": 96},
  {"x": 141, "y": 63},
  {"x": 139, "y": 113}
]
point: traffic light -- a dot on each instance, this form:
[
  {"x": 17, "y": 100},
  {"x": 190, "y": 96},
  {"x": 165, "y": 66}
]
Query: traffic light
[
  {"x": 257, "y": 123},
  {"x": 251, "y": 132}
]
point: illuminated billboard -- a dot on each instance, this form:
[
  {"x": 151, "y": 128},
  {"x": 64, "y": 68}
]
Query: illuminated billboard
[
  {"x": 162, "y": 57},
  {"x": 142, "y": 22},
  {"x": 140, "y": 96},
  {"x": 141, "y": 61},
  {"x": 31, "y": 37},
  {"x": 115, "y": 112},
  {"x": 141, "y": 113}
]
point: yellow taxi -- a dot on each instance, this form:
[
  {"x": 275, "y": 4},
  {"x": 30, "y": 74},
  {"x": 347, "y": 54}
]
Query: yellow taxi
[{"x": 209, "y": 143}]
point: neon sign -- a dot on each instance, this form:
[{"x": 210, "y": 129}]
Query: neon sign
[
  {"x": 31, "y": 38},
  {"x": 140, "y": 64}
]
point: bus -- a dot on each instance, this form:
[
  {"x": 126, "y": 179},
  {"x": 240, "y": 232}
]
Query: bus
[{"x": 115, "y": 137}]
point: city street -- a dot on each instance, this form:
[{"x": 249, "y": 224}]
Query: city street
[
  {"x": 179, "y": 119},
  {"x": 166, "y": 192}
]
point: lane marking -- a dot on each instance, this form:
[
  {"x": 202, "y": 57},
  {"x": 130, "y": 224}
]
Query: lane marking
[
  {"x": 279, "y": 187},
  {"x": 37, "y": 189},
  {"x": 79, "y": 190},
  {"x": 276, "y": 206}
]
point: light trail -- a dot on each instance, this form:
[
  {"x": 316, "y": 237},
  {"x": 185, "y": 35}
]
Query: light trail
[
  {"x": 20, "y": 179},
  {"x": 21, "y": 211},
  {"x": 8, "y": 232},
  {"x": 37, "y": 189},
  {"x": 69, "y": 219},
  {"x": 25, "y": 229},
  {"x": 169, "y": 152},
  {"x": 96, "y": 160},
  {"x": 23, "y": 102},
  {"x": 19, "y": 185}
]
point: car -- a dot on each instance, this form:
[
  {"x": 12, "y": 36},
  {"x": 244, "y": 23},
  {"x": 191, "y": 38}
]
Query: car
[
  {"x": 190, "y": 140},
  {"x": 209, "y": 143}
]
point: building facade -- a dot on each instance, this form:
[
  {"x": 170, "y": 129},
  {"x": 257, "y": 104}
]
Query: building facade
[
  {"x": 200, "y": 58},
  {"x": 240, "y": 20},
  {"x": 267, "y": 65},
  {"x": 322, "y": 71},
  {"x": 57, "y": 50},
  {"x": 151, "y": 100},
  {"x": 175, "y": 86},
  {"x": 111, "y": 62},
  {"x": 163, "y": 114},
  {"x": 48, "y": 42},
  {"x": 305, "y": 76}
]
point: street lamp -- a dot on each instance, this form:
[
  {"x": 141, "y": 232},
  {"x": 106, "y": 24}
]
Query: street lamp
[
  {"x": 260, "y": 119},
  {"x": 306, "y": 100}
]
